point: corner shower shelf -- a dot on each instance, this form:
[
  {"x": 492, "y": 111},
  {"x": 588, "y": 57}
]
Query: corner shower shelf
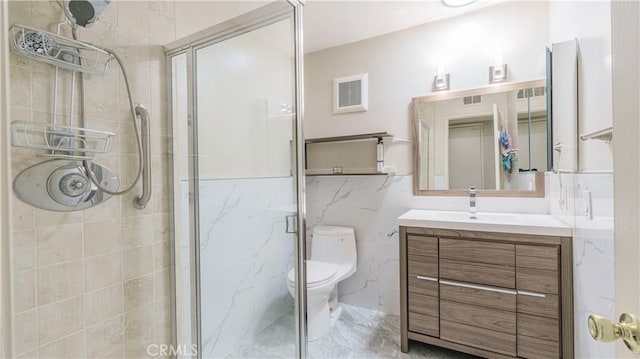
[
  {"x": 605, "y": 134},
  {"x": 59, "y": 51},
  {"x": 60, "y": 141}
]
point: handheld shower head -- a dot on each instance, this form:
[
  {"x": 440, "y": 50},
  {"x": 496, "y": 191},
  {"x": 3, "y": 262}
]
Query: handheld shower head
[{"x": 85, "y": 12}]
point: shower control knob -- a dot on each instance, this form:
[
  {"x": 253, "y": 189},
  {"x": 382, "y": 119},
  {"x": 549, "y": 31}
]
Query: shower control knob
[{"x": 73, "y": 184}]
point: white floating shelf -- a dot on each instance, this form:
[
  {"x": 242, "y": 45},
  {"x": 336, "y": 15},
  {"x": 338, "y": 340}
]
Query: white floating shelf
[
  {"x": 605, "y": 134},
  {"x": 358, "y": 137}
]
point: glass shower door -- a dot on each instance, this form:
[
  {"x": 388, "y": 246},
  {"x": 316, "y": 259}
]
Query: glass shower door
[
  {"x": 245, "y": 95},
  {"x": 239, "y": 200}
]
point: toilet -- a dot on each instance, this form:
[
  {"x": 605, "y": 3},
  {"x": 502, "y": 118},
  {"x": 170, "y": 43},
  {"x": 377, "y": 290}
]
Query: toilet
[{"x": 333, "y": 259}]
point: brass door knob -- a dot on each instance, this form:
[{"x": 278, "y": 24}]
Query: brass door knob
[{"x": 603, "y": 329}]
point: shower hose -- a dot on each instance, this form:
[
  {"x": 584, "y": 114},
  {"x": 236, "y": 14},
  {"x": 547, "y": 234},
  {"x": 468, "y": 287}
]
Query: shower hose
[{"x": 87, "y": 163}]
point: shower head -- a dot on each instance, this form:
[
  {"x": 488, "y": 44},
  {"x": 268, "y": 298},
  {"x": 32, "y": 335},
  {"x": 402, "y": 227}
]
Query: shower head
[{"x": 85, "y": 12}]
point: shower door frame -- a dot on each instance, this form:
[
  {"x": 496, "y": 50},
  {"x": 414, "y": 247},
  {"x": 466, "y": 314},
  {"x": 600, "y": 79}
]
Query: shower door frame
[{"x": 250, "y": 21}]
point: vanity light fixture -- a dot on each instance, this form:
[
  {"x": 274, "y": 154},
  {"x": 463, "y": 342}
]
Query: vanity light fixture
[
  {"x": 498, "y": 72},
  {"x": 441, "y": 80},
  {"x": 457, "y": 3}
]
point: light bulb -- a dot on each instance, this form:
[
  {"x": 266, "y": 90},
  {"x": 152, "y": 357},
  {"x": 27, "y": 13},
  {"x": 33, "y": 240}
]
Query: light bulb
[{"x": 457, "y": 3}]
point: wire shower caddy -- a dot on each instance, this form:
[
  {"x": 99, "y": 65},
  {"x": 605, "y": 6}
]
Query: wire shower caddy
[
  {"x": 60, "y": 51},
  {"x": 60, "y": 141},
  {"x": 67, "y": 54}
]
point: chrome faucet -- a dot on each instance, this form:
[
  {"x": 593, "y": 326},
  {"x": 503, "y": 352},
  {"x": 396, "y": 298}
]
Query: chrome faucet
[{"x": 472, "y": 202}]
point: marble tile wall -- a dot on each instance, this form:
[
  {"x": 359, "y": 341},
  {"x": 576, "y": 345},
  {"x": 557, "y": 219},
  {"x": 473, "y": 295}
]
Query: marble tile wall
[
  {"x": 593, "y": 251},
  {"x": 372, "y": 204},
  {"x": 95, "y": 283},
  {"x": 245, "y": 256}
]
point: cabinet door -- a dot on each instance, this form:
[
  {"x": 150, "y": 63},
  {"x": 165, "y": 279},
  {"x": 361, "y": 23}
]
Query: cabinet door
[
  {"x": 538, "y": 283},
  {"x": 422, "y": 255},
  {"x": 422, "y": 285}
]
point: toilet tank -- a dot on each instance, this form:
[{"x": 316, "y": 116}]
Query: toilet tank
[{"x": 333, "y": 244}]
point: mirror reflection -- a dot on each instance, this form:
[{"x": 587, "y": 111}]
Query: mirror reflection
[{"x": 493, "y": 138}]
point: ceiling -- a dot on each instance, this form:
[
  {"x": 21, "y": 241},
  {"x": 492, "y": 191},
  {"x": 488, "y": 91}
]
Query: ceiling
[
  {"x": 328, "y": 23},
  {"x": 332, "y": 23}
]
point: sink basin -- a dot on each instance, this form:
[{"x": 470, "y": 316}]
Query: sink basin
[
  {"x": 478, "y": 217},
  {"x": 534, "y": 224}
]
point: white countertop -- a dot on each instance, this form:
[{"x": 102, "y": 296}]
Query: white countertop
[{"x": 533, "y": 224}]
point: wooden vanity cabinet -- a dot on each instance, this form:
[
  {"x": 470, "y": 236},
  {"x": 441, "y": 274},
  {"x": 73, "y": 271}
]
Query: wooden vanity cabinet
[{"x": 494, "y": 295}]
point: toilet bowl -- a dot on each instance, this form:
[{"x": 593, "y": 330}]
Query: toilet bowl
[{"x": 333, "y": 259}]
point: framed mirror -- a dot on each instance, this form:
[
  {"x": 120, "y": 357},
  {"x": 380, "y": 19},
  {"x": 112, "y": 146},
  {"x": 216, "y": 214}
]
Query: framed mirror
[{"x": 494, "y": 138}]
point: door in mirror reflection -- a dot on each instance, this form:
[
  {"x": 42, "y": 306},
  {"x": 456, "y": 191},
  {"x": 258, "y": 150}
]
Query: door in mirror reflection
[{"x": 471, "y": 159}]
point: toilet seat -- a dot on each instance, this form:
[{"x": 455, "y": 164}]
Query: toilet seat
[{"x": 318, "y": 273}]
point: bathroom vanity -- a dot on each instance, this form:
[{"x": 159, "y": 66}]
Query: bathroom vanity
[{"x": 497, "y": 286}]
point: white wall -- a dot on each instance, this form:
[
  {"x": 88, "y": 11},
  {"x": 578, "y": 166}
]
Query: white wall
[
  {"x": 590, "y": 23},
  {"x": 401, "y": 66},
  {"x": 242, "y": 84}
]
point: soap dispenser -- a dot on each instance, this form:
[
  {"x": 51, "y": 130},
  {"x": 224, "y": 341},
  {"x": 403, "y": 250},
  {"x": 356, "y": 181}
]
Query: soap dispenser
[{"x": 380, "y": 156}]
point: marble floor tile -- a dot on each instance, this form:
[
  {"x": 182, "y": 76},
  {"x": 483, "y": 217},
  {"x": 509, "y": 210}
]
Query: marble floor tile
[{"x": 359, "y": 333}]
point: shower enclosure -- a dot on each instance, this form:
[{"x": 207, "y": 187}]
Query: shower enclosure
[{"x": 236, "y": 93}]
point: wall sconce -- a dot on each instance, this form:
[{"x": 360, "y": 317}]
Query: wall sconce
[
  {"x": 441, "y": 80},
  {"x": 498, "y": 72}
]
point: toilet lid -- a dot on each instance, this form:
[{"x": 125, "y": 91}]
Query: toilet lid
[{"x": 317, "y": 272}]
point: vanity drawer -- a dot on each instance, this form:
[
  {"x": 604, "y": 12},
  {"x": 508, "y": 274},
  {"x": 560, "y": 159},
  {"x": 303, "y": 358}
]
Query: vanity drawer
[
  {"x": 501, "y": 254},
  {"x": 487, "y": 274},
  {"x": 424, "y": 324},
  {"x": 479, "y": 317},
  {"x": 539, "y": 327},
  {"x": 482, "y": 296},
  {"x": 423, "y": 304},
  {"x": 480, "y": 338},
  {"x": 423, "y": 266},
  {"x": 537, "y": 280},
  {"x": 423, "y": 246},
  {"x": 423, "y": 285},
  {"x": 529, "y": 347},
  {"x": 546, "y": 306},
  {"x": 537, "y": 257}
]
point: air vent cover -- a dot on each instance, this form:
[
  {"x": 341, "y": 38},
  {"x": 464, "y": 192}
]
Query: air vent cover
[
  {"x": 531, "y": 92},
  {"x": 470, "y": 100},
  {"x": 350, "y": 94}
]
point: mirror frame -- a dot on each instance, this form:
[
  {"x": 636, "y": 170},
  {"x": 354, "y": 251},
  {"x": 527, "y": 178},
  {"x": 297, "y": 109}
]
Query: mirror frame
[{"x": 539, "y": 191}]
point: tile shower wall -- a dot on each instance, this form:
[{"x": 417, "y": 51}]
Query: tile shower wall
[
  {"x": 372, "y": 204},
  {"x": 95, "y": 283},
  {"x": 593, "y": 251},
  {"x": 245, "y": 257}
]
